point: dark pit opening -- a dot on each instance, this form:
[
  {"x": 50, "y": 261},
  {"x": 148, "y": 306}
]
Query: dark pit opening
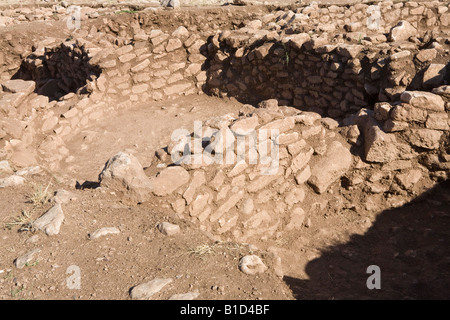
[{"x": 59, "y": 71}]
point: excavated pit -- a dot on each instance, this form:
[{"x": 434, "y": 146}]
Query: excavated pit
[
  {"x": 362, "y": 117},
  {"x": 59, "y": 71}
]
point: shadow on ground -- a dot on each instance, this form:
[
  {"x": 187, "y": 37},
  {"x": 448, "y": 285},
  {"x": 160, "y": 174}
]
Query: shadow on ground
[{"x": 410, "y": 244}]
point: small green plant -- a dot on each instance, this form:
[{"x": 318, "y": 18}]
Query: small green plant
[
  {"x": 15, "y": 292},
  {"x": 28, "y": 264},
  {"x": 286, "y": 54},
  {"x": 360, "y": 39}
]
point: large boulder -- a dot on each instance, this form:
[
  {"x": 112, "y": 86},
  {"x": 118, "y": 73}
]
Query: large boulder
[
  {"x": 336, "y": 161},
  {"x": 383, "y": 147},
  {"x": 124, "y": 174},
  {"x": 402, "y": 31},
  {"x": 434, "y": 75},
  {"x": 379, "y": 146}
]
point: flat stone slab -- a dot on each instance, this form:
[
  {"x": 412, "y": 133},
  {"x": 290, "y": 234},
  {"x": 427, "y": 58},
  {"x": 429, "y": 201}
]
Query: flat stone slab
[
  {"x": 252, "y": 265},
  {"x": 146, "y": 290},
  {"x": 103, "y": 232},
  {"x": 423, "y": 100},
  {"x": 124, "y": 173},
  {"x": 19, "y": 86},
  {"x": 336, "y": 161},
  {"x": 169, "y": 180},
  {"x": 168, "y": 229},
  {"x": 23, "y": 260},
  {"x": 11, "y": 181}
]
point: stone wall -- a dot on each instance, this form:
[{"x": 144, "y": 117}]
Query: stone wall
[
  {"x": 114, "y": 62},
  {"x": 282, "y": 56},
  {"x": 107, "y": 65}
]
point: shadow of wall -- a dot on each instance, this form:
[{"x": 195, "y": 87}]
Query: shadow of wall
[{"x": 410, "y": 245}]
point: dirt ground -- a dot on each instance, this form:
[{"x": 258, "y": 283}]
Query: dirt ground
[{"x": 326, "y": 260}]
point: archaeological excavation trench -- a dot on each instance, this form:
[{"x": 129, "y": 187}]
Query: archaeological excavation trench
[{"x": 359, "y": 103}]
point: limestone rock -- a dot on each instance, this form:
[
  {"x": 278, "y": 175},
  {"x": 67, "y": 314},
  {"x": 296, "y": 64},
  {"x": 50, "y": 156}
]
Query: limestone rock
[
  {"x": 423, "y": 100},
  {"x": 252, "y": 265},
  {"x": 301, "y": 159},
  {"x": 199, "y": 207},
  {"x": 336, "y": 161},
  {"x": 408, "y": 179},
  {"x": 425, "y": 138},
  {"x": 442, "y": 91},
  {"x": 282, "y": 125},
  {"x": 50, "y": 222},
  {"x": 103, "y": 232},
  {"x": 408, "y": 113},
  {"x": 11, "y": 181},
  {"x": 123, "y": 173},
  {"x": 351, "y": 133},
  {"x": 383, "y": 147},
  {"x": 63, "y": 196},
  {"x": 198, "y": 179},
  {"x": 437, "y": 121},
  {"x": 230, "y": 203},
  {"x": 402, "y": 31},
  {"x": 169, "y": 180},
  {"x": 146, "y": 290},
  {"x": 434, "y": 75},
  {"x": 247, "y": 206},
  {"x": 245, "y": 126},
  {"x": 296, "y": 219},
  {"x": 303, "y": 175},
  {"x": 270, "y": 105},
  {"x": 426, "y": 55},
  {"x": 185, "y": 296},
  {"x": 19, "y": 86},
  {"x": 168, "y": 229},
  {"x": 294, "y": 196},
  {"x": 23, "y": 260},
  {"x": 349, "y": 50},
  {"x": 5, "y": 167},
  {"x": 179, "y": 206}
]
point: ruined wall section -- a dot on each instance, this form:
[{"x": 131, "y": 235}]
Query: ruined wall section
[{"x": 282, "y": 56}]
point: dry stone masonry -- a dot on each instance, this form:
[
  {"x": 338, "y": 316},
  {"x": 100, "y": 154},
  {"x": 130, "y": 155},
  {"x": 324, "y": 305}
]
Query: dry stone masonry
[
  {"x": 325, "y": 59},
  {"x": 344, "y": 105}
]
